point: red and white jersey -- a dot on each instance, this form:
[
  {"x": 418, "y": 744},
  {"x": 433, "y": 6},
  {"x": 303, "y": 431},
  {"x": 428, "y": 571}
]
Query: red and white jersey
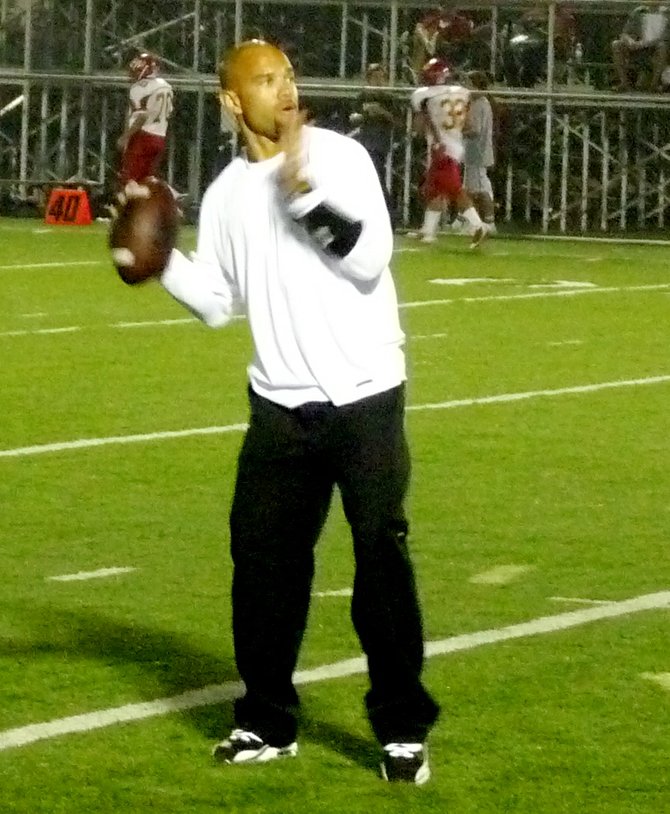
[
  {"x": 151, "y": 97},
  {"x": 446, "y": 108}
]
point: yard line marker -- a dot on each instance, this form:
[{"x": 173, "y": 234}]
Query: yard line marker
[
  {"x": 68, "y": 329},
  {"x": 84, "y": 443},
  {"x": 35, "y": 331},
  {"x": 500, "y": 575},
  {"x": 417, "y": 304},
  {"x": 578, "y": 600},
  {"x": 502, "y": 398},
  {"x": 533, "y": 295},
  {"x": 180, "y": 321},
  {"x": 339, "y": 592},
  {"x": 219, "y": 693},
  {"x": 531, "y": 394},
  {"x": 561, "y": 284},
  {"x": 84, "y": 575},
  {"x": 69, "y": 264},
  {"x": 460, "y": 281},
  {"x": 427, "y": 336},
  {"x": 663, "y": 679},
  {"x": 566, "y": 342},
  {"x": 580, "y": 239}
]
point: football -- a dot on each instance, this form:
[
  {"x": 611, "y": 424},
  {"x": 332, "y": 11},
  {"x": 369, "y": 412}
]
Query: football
[{"x": 144, "y": 231}]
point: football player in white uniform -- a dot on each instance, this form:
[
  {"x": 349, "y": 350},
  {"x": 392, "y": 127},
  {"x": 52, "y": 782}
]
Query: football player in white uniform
[
  {"x": 142, "y": 143},
  {"x": 441, "y": 107}
]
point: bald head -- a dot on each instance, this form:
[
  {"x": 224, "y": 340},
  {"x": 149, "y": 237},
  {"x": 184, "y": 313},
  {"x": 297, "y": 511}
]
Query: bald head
[
  {"x": 243, "y": 59},
  {"x": 259, "y": 92}
]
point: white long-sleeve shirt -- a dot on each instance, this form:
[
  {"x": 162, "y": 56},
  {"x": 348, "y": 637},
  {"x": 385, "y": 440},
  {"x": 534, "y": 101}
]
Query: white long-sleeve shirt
[{"x": 324, "y": 328}]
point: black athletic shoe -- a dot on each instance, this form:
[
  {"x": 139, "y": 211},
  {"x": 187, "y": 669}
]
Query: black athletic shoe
[
  {"x": 242, "y": 746},
  {"x": 406, "y": 763}
]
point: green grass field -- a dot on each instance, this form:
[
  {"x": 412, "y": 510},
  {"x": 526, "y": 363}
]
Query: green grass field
[{"x": 538, "y": 391}]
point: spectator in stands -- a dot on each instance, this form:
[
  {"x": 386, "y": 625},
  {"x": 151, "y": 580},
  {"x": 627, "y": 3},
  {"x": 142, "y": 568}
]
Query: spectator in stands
[
  {"x": 643, "y": 43},
  {"x": 425, "y": 39},
  {"x": 526, "y": 44},
  {"x": 456, "y": 38},
  {"x": 375, "y": 121}
]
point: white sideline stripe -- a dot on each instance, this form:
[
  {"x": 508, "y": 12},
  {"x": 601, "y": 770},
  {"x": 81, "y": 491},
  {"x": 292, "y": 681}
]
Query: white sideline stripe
[
  {"x": 54, "y": 265},
  {"x": 530, "y": 394},
  {"x": 427, "y": 336},
  {"x": 66, "y": 330},
  {"x": 500, "y": 575},
  {"x": 562, "y": 292},
  {"x": 99, "y": 574},
  {"x": 181, "y": 321},
  {"x": 566, "y": 342},
  {"x": 85, "y": 443},
  {"x": 339, "y": 592},
  {"x": 623, "y": 241},
  {"x": 579, "y": 600},
  {"x": 417, "y": 304},
  {"x": 218, "y": 693},
  {"x": 662, "y": 679}
]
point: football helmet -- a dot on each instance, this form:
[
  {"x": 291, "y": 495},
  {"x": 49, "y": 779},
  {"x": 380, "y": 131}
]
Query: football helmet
[
  {"x": 436, "y": 72},
  {"x": 143, "y": 66}
]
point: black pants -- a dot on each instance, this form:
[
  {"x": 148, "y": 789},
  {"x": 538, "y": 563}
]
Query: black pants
[
  {"x": 379, "y": 161},
  {"x": 288, "y": 466}
]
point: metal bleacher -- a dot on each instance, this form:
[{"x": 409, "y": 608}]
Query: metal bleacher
[{"x": 573, "y": 157}]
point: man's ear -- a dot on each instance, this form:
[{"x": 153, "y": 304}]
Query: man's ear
[{"x": 230, "y": 103}]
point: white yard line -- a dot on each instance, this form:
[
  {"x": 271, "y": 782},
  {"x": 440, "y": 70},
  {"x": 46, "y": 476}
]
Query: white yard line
[
  {"x": 501, "y": 398},
  {"x": 500, "y": 574},
  {"x": 662, "y": 679},
  {"x": 562, "y": 292},
  {"x": 338, "y": 592},
  {"x": 101, "y": 573},
  {"x": 417, "y": 304},
  {"x": 218, "y": 693},
  {"x": 69, "y": 264},
  {"x": 85, "y": 443},
  {"x": 66, "y": 330},
  {"x": 151, "y": 323},
  {"x": 577, "y": 600},
  {"x": 531, "y": 394}
]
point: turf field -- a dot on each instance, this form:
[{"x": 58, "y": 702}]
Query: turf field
[{"x": 540, "y": 509}]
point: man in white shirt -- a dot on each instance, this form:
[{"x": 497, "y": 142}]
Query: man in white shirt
[
  {"x": 295, "y": 233},
  {"x": 142, "y": 143},
  {"x": 441, "y": 107}
]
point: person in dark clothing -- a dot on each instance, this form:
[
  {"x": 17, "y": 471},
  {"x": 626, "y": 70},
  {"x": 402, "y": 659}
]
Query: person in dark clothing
[{"x": 376, "y": 122}]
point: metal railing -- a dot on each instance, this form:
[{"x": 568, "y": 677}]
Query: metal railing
[{"x": 572, "y": 159}]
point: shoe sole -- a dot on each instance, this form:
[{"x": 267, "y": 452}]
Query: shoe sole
[
  {"x": 262, "y": 755},
  {"x": 422, "y": 776}
]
